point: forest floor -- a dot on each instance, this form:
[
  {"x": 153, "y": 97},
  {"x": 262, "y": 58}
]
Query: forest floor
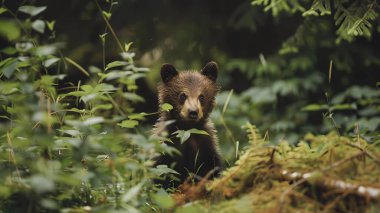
[{"x": 324, "y": 173}]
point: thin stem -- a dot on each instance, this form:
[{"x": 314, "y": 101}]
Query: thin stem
[{"x": 109, "y": 27}]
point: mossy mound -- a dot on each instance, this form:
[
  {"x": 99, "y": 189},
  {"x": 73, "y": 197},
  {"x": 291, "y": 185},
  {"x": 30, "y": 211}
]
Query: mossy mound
[{"x": 324, "y": 173}]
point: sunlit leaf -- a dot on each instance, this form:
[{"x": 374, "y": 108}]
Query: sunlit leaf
[
  {"x": 139, "y": 116},
  {"x": 3, "y": 10},
  {"x": 50, "y": 25},
  {"x": 198, "y": 131},
  {"x": 71, "y": 132},
  {"x": 49, "y": 62},
  {"x": 9, "y": 68},
  {"x": 128, "y": 123},
  {"x": 107, "y": 14},
  {"x": 31, "y": 10},
  {"x": 164, "y": 169},
  {"x": 166, "y": 107},
  {"x": 133, "y": 97},
  {"x": 102, "y": 107},
  {"x": 9, "y": 30},
  {"x": 41, "y": 184},
  {"x": 315, "y": 107},
  {"x": 182, "y": 135},
  {"x": 116, "y": 64},
  {"x": 132, "y": 193},
  {"x": 127, "y": 46},
  {"x": 344, "y": 106},
  {"x": 93, "y": 120},
  {"x": 94, "y": 69},
  {"x": 39, "y": 26},
  {"x": 163, "y": 199}
]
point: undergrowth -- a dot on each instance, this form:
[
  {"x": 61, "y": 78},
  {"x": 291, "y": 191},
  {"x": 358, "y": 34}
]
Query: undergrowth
[{"x": 322, "y": 173}]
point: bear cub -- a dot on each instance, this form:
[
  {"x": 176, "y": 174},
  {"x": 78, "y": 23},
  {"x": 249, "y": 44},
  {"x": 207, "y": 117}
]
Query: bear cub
[{"x": 192, "y": 95}]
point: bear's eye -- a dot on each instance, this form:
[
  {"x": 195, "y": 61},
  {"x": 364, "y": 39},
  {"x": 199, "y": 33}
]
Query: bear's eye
[
  {"x": 182, "y": 97},
  {"x": 201, "y": 98}
]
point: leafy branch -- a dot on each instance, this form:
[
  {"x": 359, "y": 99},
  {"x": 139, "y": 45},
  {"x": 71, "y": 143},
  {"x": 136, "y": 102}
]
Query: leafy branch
[{"x": 353, "y": 18}]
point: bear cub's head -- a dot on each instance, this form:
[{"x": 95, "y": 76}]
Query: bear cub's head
[{"x": 191, "y": 93}]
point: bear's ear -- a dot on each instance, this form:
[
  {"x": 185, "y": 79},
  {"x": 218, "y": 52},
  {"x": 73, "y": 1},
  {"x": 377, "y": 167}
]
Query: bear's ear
[
  {"x": 211, "y": 71},
  {"x": 168, "y": 71}
]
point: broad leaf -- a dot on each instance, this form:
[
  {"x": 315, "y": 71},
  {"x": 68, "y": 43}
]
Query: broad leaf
[
  {"x": 9, "y": 30},
  {"x": 116, "y": 64},
  {"x": 39, "y": 26},
  {"x": 31, "y": 10},
  {"x": 128, "y": 123},
  {"x": 166, "y": 107},
  {"x": 315, "y": 107}
]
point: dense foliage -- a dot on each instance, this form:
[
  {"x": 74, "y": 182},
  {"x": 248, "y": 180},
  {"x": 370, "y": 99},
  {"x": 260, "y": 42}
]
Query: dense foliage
[
  {"x": 67, "y": 146},
  {"x": 76, "y": 113}
]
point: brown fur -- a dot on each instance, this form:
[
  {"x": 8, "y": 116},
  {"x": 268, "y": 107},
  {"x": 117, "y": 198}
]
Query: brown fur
[{"x": 202, "y": 148}]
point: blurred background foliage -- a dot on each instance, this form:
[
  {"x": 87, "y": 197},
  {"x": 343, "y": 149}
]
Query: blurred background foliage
[{"x": 287, "y": 66}]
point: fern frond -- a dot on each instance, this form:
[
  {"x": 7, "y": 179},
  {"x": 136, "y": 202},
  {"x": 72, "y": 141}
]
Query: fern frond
[
  {"x": 277, "y": 6},
  {"x": 254, "y": 137},
  {"x": 355, "y": 19}
]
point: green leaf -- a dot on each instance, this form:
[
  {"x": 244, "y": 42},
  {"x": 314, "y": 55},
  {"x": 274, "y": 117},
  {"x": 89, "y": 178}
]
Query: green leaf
[
  {"x": 182, "y": 135},
  {"x": 24, "y": 64},
  {"x": 139, "y": 116},
  {"x": 163, "y": 169},
  {"x": 310, "y": 12},
  {"x": 93, "y": 120},
  {"x": 9, "y": 30},
  {"x": 102, "y": 157},
  {"x": 132, "y": 193},
  {"x": 198, "y": 131},
  {"x": 9, "y": 68},
  {"x": 127, "y": 46},
  {"x": 166, "y": 107},
  {"x": 9, "y": 50},
  {"x": 343, "y": 106},
  {"x": 128, "y": 124},
  {"x": 31, "y": 10},
  {"x": 103, "y": 38},
  {"x": 163, "y": 200},
  {"x": 50, "y": 25},
  {"x": 49, "y": 62},
  {"x": 133, "y": 97},
  {"x": 116, "y": 64},
  {"x": 39, "y": 26},
  {"x": 41, "y": 184},
  {"x": 107, "y": 15},
  {"x": 94, "y": 69},
  {"x": 8, "y": 88},
  {"x": 101, "y": 107},
  {"x": 315, "y": 107},
  {"x": 71, "y": 132},
  {"x": 3, "y": 10},
  {"x": 115, "y": 75}
]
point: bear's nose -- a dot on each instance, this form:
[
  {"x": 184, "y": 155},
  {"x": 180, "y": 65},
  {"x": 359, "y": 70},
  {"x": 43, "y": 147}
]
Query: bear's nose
[{"x": 193, "y": 114}]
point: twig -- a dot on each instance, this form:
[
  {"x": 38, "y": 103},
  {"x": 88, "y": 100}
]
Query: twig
[{"x": 366, "y": 152}]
